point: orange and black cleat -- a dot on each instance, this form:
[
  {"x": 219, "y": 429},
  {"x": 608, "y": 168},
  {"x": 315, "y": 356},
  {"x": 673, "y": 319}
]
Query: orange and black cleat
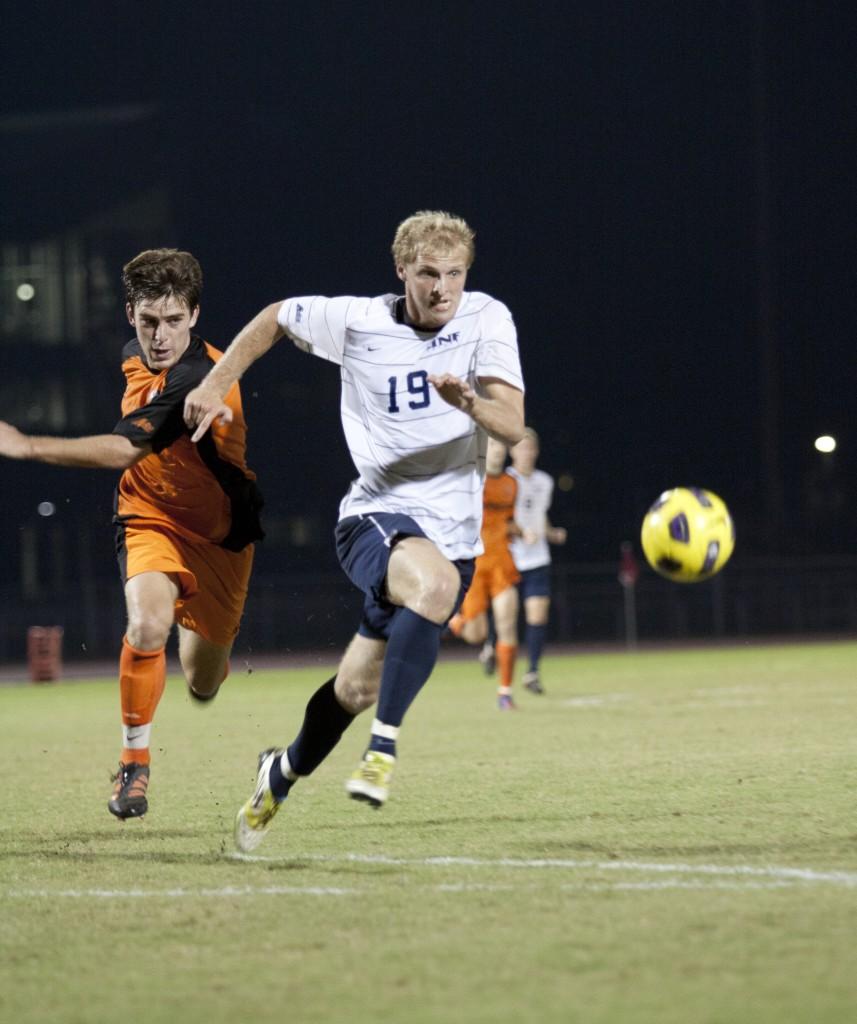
[{"x": 129, "y": 791}]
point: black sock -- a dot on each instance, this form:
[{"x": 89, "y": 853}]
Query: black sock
[
  {"x": 325, "y": 720},
  {"x": 535, "y": 645}
]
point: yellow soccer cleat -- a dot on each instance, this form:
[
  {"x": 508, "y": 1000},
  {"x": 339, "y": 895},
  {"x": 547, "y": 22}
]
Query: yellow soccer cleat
[
  {"x": 251, "y": 823},
  {"x": 371, "y": 779}
]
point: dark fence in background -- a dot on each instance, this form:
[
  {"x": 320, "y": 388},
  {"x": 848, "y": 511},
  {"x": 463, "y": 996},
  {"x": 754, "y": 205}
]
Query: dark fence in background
[
  {"x": 298, "y": 612},
  {"x": 752, "y": 598}
]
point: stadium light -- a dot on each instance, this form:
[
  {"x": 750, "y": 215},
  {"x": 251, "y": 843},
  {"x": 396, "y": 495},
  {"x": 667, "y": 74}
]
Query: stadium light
[
  {"x": 46, "y": 508},
  {"x": 25, "y": 292},
  {"x": 825, "y": 444}
]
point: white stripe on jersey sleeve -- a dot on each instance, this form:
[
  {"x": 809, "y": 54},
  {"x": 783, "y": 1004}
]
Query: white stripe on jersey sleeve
[{"x": 318, "y": 325}]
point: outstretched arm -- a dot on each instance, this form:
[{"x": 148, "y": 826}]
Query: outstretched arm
[
  {"x": 205, "y": 404},
  {"x": 555, "y": 534},
  {"x": 500, "y": 411},
  {"x": 101, "y": 451},
  {"x": 514, "y": 529}
]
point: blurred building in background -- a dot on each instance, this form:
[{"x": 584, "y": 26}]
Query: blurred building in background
[
  {"x": 663, "y": 342},
  {"x": 65, "y": 233}
]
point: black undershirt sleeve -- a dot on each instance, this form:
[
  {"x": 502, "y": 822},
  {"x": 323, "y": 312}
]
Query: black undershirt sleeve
[{"x": 160, "y": 422}]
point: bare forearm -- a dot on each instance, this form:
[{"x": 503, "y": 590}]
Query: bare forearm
[
  {"x": 499, "y": 409},
  {"x": 555, "y": 534},
  {"x": 103, "y": 451},
  {"x": 502, "y": 419},
  {"x": 251, "y": 342}
]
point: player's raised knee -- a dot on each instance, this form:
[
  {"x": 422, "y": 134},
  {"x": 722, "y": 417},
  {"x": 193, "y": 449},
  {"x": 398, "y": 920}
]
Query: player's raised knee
[{"x": 436, "y": 594}]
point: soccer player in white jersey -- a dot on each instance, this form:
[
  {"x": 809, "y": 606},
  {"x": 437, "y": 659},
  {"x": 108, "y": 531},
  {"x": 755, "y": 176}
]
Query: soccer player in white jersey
[
  {"x": 530, "y": 550},
  {"x": 426, "y": 377}
]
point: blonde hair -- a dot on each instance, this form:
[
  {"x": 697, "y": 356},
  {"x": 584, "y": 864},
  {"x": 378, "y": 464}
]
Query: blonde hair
[{"x": 432, "y": 232}]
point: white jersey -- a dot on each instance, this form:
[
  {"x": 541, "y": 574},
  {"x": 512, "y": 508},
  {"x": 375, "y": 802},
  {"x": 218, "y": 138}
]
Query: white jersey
[
  {"x": 414, "y": 453},
  {"x": 535, "y": 493}
]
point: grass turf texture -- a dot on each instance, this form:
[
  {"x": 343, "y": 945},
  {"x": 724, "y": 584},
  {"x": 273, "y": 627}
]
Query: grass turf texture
[{"x": 663, "y": 837}]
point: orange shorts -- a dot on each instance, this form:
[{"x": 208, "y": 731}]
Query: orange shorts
[
  {"x": 213, "y": 581},
  {"x": 493, "y": 575}
]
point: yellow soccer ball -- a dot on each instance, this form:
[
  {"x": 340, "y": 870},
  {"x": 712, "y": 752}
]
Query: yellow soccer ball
[{"x": 688, "y": 534}]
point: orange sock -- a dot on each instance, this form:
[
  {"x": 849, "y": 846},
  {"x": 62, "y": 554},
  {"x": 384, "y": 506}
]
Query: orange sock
[
  {"x": 142, "y": 675},
  {"x": 506, "y": 656}
]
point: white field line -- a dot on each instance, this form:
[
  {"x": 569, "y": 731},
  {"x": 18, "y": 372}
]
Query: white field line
[
  {"x": 454, "y": 887},
  {"x": 726, "y": 702},
  {"x": 696, "y": 699},
  {"x": 651, "y": 886},
  {"x": 596, "y": 700},
  {"x": 846, "y": 879},
  {"x": 733, "y": 877},
  {"x": 739, "y": 690},
  {"x": 231, "y": 891},
  {"x": 693, "y": 700}
]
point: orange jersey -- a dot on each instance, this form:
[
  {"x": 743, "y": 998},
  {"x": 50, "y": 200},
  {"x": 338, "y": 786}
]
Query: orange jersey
[
  {"x": 200, "y": 491},
  {"x": 495, "y": 569},
  {"x": 498, "y": 507}
]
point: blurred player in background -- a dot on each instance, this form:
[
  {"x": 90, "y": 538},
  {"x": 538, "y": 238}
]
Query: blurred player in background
[
  {"x": 530, "y": 547},
  {"x": 426, "y": 376},
  {"x": 186, "y": 515},
  {"x": 494, "y": 582}
]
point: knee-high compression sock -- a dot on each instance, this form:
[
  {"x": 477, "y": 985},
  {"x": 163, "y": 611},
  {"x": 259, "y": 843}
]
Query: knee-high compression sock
[
  {"x": 142, "y": 675},
  {"x": 506, "y": 655},
  {"x": 325, "y": 720},
  {"x": 535, "y": 645},
  {"x": 411, "y": 655}
]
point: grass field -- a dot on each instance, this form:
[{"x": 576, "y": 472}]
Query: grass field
[{"x": 663, "y": 837}]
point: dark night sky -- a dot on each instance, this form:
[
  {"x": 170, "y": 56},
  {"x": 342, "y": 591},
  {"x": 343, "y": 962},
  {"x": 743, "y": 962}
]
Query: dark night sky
[{"x": 633, "y": 172}]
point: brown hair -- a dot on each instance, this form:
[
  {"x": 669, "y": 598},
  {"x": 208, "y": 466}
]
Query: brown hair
[
  {"x": 432, "y": 232},
  {"x": 160, "y": 273}
]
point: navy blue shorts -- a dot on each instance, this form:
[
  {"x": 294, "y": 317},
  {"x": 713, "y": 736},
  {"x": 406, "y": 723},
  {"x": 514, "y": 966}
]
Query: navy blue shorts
[
  {"x": 363, "y": 546},
  {"x": 535, "y": 582}
]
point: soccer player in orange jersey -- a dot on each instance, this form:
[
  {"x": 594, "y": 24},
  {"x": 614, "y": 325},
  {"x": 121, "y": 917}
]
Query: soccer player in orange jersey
[
  {"x": 186, "y": 514},
  {"x": 495, "y": 580}
]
